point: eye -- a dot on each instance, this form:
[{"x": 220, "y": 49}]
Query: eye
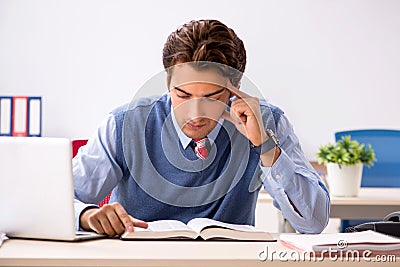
[{"x": 183, "y": 96}]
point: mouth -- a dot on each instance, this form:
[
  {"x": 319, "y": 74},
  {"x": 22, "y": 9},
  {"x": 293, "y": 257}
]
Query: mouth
[{"x": 195, "y": 126}]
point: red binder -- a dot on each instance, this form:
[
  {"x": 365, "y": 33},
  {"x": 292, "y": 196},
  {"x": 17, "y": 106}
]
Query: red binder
[{"x": 20, "y": 116}]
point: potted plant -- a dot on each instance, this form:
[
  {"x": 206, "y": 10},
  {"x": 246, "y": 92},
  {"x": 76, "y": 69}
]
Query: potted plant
[{"x": 344, "y": 162}]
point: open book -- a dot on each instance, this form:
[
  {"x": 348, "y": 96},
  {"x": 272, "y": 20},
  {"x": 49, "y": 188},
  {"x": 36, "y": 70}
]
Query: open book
[
  {"x": 198, "y": 228},
  {"x": 366, "y": 240}
]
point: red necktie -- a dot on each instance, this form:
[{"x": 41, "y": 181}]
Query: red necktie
[{"x": 201, "y": 149}]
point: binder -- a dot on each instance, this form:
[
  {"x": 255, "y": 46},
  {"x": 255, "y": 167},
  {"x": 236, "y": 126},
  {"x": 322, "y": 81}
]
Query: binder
[
  {"x": 35, "y": 116},
  {"x": 20, "y": 116},
  {"x": 6, "y": 115}
]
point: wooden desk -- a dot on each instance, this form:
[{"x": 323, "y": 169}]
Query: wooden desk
[
  {"x": 372, "y": 203},
  {"x": 109, "y": 252}
]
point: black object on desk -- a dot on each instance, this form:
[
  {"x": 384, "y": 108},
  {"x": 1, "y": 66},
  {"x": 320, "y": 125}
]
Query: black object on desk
[{"x": 390, "y": 225}]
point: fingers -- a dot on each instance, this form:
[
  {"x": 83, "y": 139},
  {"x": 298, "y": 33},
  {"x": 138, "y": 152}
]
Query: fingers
[
  {"x": 114, "y": 223},
  {"x": 128, "y": 221},
  {"x": 112, "y": 219},
  {"x": 106, "y": 225},
  {"x": 245, "y": 114},
  {"x": 139, "y": 223},
  {"x": 124, "y": 218},
  {"x": 235, "y": 120},
  {"x": 241, "y": 109},
  {"x": 236, "y": 92},
  {"x": 94, "y": 224}
]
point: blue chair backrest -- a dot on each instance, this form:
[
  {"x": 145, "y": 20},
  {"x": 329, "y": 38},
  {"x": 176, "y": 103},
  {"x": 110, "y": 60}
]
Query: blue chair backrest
[{"x": 386, "y": 144}]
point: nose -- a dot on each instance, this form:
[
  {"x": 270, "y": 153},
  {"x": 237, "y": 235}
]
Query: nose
[{"x": 196, "y": 107}]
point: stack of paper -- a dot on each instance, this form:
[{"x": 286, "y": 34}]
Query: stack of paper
[{"x": 366, "y": 240}]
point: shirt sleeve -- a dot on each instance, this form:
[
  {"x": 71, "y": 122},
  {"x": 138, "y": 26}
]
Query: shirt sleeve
[
  {"x": 292, "y": 179},
  {"x": 95, "y": 169}
]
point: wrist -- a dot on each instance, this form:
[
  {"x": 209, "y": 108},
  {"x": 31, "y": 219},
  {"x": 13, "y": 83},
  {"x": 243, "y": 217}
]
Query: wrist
[
  {"x": 269, "y": 150},
  {"x": 268, "y": 159},
  {"x": 269, "y": 142}
]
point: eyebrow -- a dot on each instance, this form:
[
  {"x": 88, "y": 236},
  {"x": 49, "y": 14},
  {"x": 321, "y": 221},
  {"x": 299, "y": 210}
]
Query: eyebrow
[{"x": 207, "y": 95}]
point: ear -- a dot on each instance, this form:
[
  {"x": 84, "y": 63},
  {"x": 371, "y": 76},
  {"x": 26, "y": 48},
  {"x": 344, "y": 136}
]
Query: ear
[{"x": 239, "y": 84}]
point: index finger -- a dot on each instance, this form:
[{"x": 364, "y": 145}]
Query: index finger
[
  {"x": 139, "y": 223},
  {"x": 126, "y": 219},
  {"x": 236, "y": 92}
]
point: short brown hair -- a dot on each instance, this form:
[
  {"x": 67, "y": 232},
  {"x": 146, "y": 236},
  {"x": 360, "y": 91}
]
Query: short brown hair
[{"x": 205, "y": 40}]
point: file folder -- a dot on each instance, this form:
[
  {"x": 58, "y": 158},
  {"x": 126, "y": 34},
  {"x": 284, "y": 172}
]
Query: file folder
[
  {"x": 6, "y": 115},
  {"x": 20, "y": 116},
  {"x": 35, "y": 116}
]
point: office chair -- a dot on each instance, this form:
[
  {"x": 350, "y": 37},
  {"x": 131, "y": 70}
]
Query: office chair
[
  {"x": 386, "y": 170},
  {"x": 76, "y": 144}
]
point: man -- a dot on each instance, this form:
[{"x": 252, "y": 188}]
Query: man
[{"x": 201, "y": 150}]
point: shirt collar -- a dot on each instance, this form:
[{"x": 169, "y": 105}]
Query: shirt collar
[{"x": 185, "y": 140}]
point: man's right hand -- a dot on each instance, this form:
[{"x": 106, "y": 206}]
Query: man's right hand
[{"x": 111, "y": 219}]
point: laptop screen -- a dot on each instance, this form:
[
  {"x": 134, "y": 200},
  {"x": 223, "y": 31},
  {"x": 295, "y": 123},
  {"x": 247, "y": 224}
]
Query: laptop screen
[{"x": 36, "y": 188}]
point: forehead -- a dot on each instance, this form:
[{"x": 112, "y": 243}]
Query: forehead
[{"x": 186, "y": 74}]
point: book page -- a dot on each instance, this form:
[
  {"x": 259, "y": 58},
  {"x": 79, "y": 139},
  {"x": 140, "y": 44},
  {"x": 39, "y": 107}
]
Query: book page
[
  {"x": 163, "y": 229},
  {"x": 199, "y": 224},
  {"x": 164, "y": 225}
]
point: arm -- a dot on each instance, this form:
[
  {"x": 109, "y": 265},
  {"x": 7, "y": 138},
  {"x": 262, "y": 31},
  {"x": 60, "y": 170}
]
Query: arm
[
  {"x": 295, "y": 186},
  {"x": 95, "y": 170},
  {"x": 291, "y": 181},
  {"x": 96, "y": 173}
]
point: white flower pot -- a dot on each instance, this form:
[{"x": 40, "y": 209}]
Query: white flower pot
[{"x": 344, "y": 181}]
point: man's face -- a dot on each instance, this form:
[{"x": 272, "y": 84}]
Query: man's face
[{"x": 199, "y": 99}]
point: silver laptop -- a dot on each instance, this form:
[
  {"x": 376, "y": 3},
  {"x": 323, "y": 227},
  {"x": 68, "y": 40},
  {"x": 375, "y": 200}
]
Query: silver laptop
[{"x": 36, "y": 189}]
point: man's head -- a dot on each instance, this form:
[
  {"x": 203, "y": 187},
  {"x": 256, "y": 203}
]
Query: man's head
[{"x": 216, "y": 59}]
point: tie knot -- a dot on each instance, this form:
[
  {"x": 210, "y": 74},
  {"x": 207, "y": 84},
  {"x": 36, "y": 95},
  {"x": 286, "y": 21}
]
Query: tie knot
[
  {"x": 201, "y": 149},
  {"x": 200, "y": 142}
]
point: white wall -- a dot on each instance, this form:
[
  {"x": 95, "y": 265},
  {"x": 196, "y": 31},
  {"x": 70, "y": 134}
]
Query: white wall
[{"x": 331, "y": 65}]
